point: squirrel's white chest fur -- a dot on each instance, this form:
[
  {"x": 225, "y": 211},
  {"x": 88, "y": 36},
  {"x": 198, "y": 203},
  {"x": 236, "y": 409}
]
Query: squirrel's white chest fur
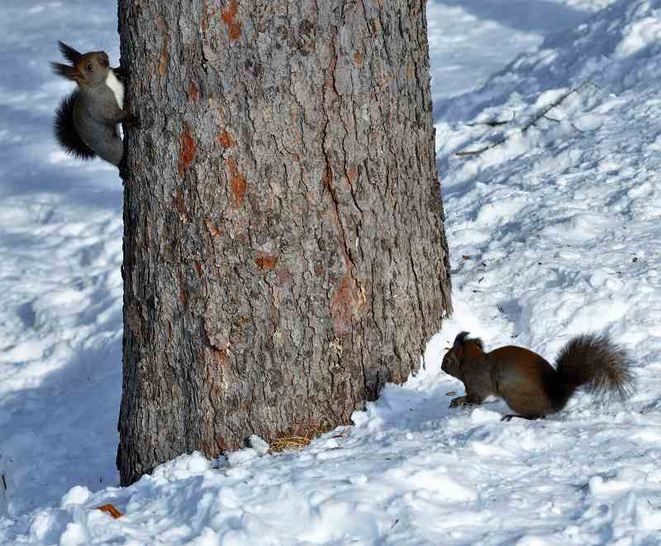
[{"x": 116, "y": 87}]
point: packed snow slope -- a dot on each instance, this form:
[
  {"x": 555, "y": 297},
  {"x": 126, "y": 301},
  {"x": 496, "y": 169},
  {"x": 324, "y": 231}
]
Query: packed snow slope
[{"x": 549, "y": 164}]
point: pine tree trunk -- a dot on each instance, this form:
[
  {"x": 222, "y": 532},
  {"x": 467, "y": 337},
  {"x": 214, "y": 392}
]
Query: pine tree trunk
[{"x": 284, "y": 253}]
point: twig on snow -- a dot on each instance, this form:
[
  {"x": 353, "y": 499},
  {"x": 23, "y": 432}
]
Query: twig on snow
[{"x": 533, "y": 121}]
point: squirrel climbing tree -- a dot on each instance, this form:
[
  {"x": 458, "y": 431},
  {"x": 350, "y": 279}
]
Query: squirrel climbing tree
[{"x": 284, "y": 253}]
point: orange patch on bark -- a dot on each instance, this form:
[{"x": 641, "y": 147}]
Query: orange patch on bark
[
  {"x": 164, "y": 57},
  {"x": 214, "y": 357},
  {"x": 327, "y": 178},
  {"x": 204, "y": 22},
  {"x": 358, "y": 58},
  {"x": 266, "y": 261},
  {"x": 163, "y": 61},
  {"x": 212, "y": 228},
  {"x": 198, "y": 267},
  {"x": 352, "y": 174},
  {"x": 110, "y": 509},
  {"x": 187, "y": 150},
  {"x": 228, "y": 15},
  {"x": 193, "y": 92},
  {"x": 224, "y": 139},
  {"x": 237, "y": 182},
  {"x": 346, "y": 305},
  {"x": 219, "y": 355},
  {"x": 179, "y": 204}
]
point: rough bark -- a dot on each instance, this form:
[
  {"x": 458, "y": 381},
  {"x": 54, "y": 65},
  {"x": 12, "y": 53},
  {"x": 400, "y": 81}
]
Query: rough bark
[{"x": 284, "y": 253}]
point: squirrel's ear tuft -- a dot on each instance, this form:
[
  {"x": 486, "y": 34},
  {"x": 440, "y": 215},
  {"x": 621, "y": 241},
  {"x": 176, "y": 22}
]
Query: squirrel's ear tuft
[
  {"x": 66, "y": 71},
  {"x": 458, "y": 345},
  {"x": 459, "y": 340},
  {"x": 70, "y": 54}
]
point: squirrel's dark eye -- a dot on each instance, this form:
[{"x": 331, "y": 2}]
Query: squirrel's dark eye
[{"x": 89, "y": 67}]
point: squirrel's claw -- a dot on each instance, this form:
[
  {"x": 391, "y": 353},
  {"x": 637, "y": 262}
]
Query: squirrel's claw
[
  {"x": 457, "y": 402},
  {"x": 133, "y": 120},
  {"x": 122, "y": 73}
]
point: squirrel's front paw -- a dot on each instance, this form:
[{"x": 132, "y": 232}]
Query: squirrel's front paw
[
  {"x": 133, "y": 120},
  {"x": 457, "y": 402}
]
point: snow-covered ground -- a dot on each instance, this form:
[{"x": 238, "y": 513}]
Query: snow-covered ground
[{"x": 550, "y": 167}]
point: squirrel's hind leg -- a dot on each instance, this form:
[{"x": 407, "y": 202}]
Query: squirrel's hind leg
[
  {"x": 468, "y": 400},
  {"x": 457, "y": 402}
]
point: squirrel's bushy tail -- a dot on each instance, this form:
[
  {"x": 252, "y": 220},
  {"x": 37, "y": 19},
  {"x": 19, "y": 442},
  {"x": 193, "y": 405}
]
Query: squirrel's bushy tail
[
  {"x": 66, "y": 133},
  {"x": 596, "y": 363}
]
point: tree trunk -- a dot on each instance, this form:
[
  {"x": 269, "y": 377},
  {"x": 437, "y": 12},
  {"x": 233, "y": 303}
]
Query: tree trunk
[{"x": 284, "y": 253}]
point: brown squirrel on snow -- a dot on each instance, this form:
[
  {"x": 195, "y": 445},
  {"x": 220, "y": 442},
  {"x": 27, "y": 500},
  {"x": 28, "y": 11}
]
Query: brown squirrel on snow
[
  {"x": 86, "y": 121},
  {"x": 528, "y": 383}
]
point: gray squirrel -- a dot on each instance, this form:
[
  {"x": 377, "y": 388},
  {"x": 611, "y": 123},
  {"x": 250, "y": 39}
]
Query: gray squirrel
[{"x": 86, "y": 121}]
